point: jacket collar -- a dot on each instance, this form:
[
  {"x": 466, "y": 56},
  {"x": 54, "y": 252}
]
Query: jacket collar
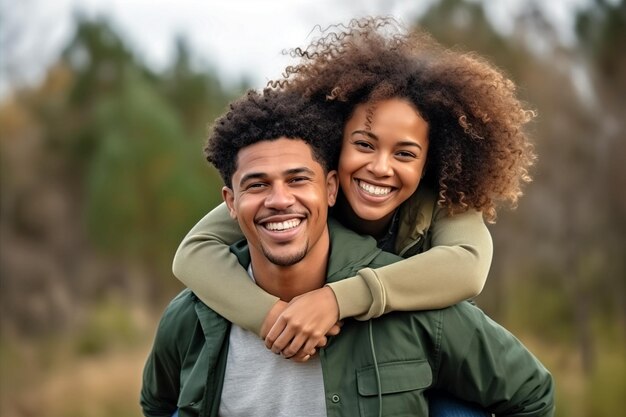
[
  {"x": 349, "y": 251},
  {"x": 415, "y": 217}
]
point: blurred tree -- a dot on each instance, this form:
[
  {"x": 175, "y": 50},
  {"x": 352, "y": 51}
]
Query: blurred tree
[
  {"x": 552, "y": 243},
  {"x": 463, "y": 24},
  {"x": 102, "y": 174},
  {"x": 139, "y": 184},
  {"x": 196, "y": 93},
  {"x": 601, "y": 33}
]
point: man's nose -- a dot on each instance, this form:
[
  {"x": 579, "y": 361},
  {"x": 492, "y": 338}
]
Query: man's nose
[{"x": 280, "y": 197}]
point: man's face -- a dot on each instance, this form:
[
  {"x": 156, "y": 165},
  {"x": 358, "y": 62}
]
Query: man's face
[{"x": 280, "y": 197}]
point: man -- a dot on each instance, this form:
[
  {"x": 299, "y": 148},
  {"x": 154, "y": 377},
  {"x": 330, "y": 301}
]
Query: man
[{"x": 274, "y": 152}]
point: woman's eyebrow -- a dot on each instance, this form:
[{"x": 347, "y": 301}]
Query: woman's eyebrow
[
  {"x": 409, "y": 143},
  {"x": 366, "y": 133}
]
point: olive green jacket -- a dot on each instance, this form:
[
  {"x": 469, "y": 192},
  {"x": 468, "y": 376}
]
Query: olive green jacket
[
  {"x": 457, "y": 349},
  {"x": 452, "y": 262}
]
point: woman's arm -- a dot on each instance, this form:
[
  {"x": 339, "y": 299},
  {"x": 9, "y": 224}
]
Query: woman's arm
[
  {"x": 454, "y": 269},
  {"x": 205, "y": 264}
]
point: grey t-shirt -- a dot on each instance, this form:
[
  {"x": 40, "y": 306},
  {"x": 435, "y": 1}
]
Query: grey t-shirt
[{"x": 260, "y": 383}]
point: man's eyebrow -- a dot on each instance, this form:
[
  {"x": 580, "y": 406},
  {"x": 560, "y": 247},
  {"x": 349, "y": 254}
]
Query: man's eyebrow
[
  {"x": 374, "y": 137},
  {"x": 300, "y": 170},
  {"x": 261, "y": 175},
  {"x": 252, "y": 176}
]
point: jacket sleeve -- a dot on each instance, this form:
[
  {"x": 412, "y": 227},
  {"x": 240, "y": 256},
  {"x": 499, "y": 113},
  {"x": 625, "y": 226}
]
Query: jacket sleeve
[
  {"x": 161, "y": 374},
  {"x": 454, "y": 269},
  {"x": 481, "y": 362},
  {"x": 204, "y": 263}
]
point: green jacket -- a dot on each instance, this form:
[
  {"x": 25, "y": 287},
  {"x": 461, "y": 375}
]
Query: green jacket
[{"x": 457, "y": 349}]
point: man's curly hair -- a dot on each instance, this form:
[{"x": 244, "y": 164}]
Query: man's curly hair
[
  {"x": 271, "y": 115},
  {"x": 478, "y": 152}
]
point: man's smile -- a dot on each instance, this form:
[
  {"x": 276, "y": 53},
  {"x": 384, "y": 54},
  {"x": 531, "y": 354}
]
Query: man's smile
[{"x": 281, "y": 226}]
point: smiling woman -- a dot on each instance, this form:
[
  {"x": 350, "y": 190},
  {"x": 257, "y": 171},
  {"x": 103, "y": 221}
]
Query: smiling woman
[{"x": 382, "y": 160}]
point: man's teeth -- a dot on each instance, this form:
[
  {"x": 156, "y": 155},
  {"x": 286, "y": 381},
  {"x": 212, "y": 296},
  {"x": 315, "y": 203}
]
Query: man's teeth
[
  {"x": 280, "y": 226},
  {"x": 374, "y": 189}
]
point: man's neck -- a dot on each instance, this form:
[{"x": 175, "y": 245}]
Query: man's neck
[{"x": 287, "y": 282}]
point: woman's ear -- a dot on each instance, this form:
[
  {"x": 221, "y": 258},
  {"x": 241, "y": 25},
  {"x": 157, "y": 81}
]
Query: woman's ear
[{"x": 332, "y": 187}]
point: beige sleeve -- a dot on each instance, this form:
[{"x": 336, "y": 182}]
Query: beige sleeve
[
  {"x": 205, "y": 264},
  {"x": 454, "y": 269}
]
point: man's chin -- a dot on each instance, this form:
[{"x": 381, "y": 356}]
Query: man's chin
[{"x": 285, "y": 259}]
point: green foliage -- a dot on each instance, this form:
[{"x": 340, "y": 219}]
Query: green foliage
[
  {"x": 134, "y": 139},
  {"x": 139, "y": 182},
  {"x": 607, "y": 384},
  {"x": 462, "y": 24},
  {"x": 109, "y": 324},
  {"x": 600, "y": 31},
  {"x": 539, "y": 307}
]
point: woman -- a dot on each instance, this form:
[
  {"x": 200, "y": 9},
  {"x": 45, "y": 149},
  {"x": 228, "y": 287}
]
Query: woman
[{"x": 432, "y": 141}]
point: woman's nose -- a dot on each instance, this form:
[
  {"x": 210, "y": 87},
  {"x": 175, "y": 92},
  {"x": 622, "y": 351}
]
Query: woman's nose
[{"x": 380, "y": 166}]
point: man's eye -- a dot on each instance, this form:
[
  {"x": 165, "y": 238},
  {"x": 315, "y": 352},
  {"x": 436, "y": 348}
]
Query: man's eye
[
  {"x": 255, "y": 185},
  {"x": 298, "y": 179}
]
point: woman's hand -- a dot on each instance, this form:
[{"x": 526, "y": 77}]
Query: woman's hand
[
  {"x": 271, "y": 317},
  {"x": 303, "y": 324}
]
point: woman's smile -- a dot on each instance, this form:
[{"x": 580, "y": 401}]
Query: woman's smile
[
  {"x": 373, "y": 189},
  {"x": 382, "y": 157}
]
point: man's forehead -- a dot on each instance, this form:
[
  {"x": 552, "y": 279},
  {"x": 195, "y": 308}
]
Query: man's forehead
[{"x": 275, "y": 157}]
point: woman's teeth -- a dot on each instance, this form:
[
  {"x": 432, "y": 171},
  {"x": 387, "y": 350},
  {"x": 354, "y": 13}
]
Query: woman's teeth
[{"x": 374, "y": 189}]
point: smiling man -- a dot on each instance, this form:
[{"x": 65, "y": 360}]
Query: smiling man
[
  {"x": 275, "y": 152},
  {"x": 280, "y": 197}
]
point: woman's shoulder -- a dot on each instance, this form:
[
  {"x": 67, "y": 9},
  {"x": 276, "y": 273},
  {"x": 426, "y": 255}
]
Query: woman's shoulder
[{"x": 416, "y": 213}]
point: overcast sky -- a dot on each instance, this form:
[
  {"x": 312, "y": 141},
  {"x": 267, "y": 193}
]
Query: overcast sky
[{"x": 238, "y": 37}]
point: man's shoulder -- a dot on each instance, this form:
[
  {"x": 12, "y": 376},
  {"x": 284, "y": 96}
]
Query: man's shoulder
[
  {"x": 182, "y": 300},
  {"x": 180, "y": 309}
]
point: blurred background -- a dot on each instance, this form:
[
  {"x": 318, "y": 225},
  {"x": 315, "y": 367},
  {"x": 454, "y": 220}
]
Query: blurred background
[{"x": 104, "y": 106}]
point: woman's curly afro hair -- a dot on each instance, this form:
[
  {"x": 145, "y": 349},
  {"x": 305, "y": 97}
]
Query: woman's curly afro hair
[
  {"x": 271, "y": 115},
  {"x": 478, "y": 153}
]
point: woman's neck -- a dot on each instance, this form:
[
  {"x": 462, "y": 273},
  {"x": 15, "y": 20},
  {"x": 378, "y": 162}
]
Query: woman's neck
[{"x": 375, "y": 228}]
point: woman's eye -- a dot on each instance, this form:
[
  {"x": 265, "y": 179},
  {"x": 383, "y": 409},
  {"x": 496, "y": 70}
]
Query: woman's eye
[
  {"x": 363, "y": 145},
  {"x": 406, "y": 154}
]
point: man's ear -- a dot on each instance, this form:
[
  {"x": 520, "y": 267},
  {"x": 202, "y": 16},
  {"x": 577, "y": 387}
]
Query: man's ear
[
  {"x": 332, "y": 187},
  {"x": 229, "y": 198}
]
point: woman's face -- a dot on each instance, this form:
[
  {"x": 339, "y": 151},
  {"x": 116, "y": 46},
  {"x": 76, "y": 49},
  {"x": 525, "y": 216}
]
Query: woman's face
[{"x": 382, "y": 157}]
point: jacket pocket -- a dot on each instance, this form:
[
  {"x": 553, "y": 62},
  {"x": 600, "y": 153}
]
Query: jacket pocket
[{"x": 402, "y": 386}]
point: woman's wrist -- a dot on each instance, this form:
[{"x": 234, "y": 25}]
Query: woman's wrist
[{"x": 271, "y": 317}]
